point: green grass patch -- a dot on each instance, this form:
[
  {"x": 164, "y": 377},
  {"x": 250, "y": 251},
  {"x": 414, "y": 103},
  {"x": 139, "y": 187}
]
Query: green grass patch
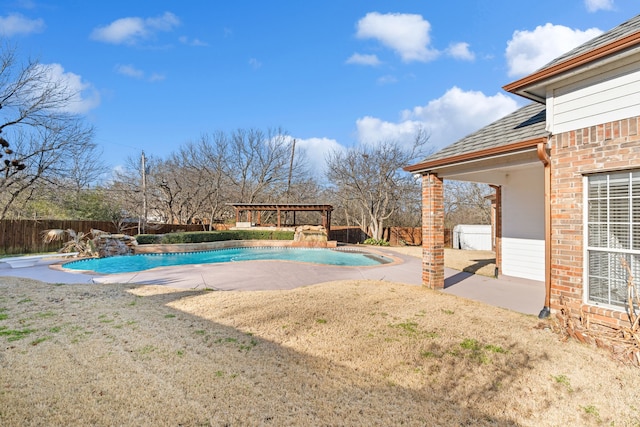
[
  {"x": 15, "y": 334},
  {"x": 321, "y": 321},
  {"x": 45, "y": 314},
  {"x": 4, "y": 316},
  {"x": 24, "y": 301},
  {"x": 478, "y": 352},
  {"x": 242, "y": 346},
  {"x": 169, "y": 316},
  {"x": 593, "y": 411},
  {"x": 427, "y": 354},
  {"x": 564, "y": 381},
  {"x": 411, "y": 329},
  {"x": 246, "y": 347},
  {"x": 147, "y": 349}
]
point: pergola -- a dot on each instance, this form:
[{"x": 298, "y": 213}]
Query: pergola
[{"x": 258, "y": 208}]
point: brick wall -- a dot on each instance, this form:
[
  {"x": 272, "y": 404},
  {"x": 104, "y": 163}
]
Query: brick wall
[{"x": 607, "y": 147}]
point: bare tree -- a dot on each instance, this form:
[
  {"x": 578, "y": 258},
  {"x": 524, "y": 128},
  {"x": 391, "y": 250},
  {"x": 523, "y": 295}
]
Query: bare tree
[
  {"x": 369, "y": 182},
  {"x": 259, "y": 164},
  {"x": 209, "y": 157},
  {"x": 466, "y": 203},
  {"x": 42, "y": 136},
  {"x": 125, "y": 191},
  {"x": 195, "y": 183}
]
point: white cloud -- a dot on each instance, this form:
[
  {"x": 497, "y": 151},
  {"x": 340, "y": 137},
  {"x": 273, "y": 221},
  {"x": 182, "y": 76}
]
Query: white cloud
[
  {"x": 15, "y": 23},
  {"x": 596, "y": 5},
  {"x": 528, "y": 51},
  {"x": 372, "y": 130},
  {"x": 130, "y": 71},
  {"x": 83, "y": 96},
  {"x": 461, "y": 51},
  {"x": 446, "y": 119},
  {"x": 316, "y": 150},
  {"x": 362, "y": 59},
  {"x": 254, "y": 63},
  {"x": 136, "y": 73},
  {"x": 387, "y": 80},
  {"x": 157, "y": 77},
  {"x": 192, "y": 42},
  {"x": 132, "y": 30},
  {"x": 406, "y": 34}
]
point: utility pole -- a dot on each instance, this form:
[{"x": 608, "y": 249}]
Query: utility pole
[
  {"x": 293, "y": 152},
  {"x": 286, "y": 214},
  {"x": 142, "y": 225}
]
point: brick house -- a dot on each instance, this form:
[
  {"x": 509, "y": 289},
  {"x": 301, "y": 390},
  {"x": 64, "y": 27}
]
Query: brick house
[{"x": 566, "y": 174}]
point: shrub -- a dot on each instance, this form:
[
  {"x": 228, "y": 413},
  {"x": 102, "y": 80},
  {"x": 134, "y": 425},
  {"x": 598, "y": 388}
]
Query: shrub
[
  {"x": 214, "y": 236},
  {"x": 148, "y": 239},
  {"x": 376, "y": 242}
]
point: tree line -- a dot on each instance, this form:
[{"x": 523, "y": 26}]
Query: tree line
[{"x": 50, "y": 168}]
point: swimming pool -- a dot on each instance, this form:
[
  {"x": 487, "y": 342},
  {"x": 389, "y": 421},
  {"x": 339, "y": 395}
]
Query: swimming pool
[{"x": 132, "y": 263}]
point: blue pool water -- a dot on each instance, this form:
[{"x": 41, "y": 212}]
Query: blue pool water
[{"x": 131, "y": 263}]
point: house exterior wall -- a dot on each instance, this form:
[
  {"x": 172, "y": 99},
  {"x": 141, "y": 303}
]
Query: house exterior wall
[
  {"x": 604, "y": 147},
  {"x": 523, "y": 224},
  {"x": 593, "y": 99}
]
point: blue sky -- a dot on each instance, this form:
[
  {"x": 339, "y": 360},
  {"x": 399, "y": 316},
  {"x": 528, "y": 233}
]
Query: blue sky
[{"x": 152, "y": 75}]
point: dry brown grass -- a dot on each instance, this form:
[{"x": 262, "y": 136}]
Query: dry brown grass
[{"x": 341, "y": 353}]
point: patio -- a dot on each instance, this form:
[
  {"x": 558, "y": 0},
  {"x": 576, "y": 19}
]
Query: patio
[{"x": 521, "y": 295}]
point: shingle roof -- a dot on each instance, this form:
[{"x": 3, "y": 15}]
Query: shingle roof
[
  {"x": 625, "y": 29},
  {"x": 528, "y": 122},
  {"x": 523, "y": 124}
]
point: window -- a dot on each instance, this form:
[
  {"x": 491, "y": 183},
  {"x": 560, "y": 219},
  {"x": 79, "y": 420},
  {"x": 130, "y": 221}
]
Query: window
[{"x": 613, "y": 235}]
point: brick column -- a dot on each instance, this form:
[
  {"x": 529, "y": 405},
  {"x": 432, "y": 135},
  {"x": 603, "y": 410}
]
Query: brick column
[{"x": 432, "y": 232}]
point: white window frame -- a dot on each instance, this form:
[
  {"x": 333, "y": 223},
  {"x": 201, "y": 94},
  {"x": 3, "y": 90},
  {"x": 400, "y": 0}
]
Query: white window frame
[{"x": 613, "y": 245}]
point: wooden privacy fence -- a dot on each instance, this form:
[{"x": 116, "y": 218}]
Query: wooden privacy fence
[
  {"x": 25, "y": 236},
  {"x": 352, "y": 235},
  {"x": 411, "y": 236}
]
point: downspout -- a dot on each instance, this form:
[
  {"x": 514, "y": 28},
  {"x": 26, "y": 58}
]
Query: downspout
[{"x": 546, "y": 161}]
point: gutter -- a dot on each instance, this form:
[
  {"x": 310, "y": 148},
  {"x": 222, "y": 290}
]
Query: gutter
[
  {"x": 476, "y": 155},
  {"x": 590, "y": 56},
  {"x": 546, "y": 161}
]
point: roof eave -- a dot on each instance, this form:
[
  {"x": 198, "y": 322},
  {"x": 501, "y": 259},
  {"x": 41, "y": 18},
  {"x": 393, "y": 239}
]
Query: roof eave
[
  {"x": 425, "y": 167},
  {"x": 616, "y": 46}
]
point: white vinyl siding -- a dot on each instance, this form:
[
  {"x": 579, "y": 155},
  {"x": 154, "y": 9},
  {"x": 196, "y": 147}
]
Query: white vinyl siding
[
  {"x": 613, "y": 235},
  {"x": 523, "y": 258},
  {"x": 613, "y": 95},
  {"x": 523, "y": 223}
]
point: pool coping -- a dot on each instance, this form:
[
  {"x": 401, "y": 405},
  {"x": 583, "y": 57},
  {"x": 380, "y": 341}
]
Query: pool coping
[
  {"x": 203, "y": 247},
  {"x": 227, "y": 244}
]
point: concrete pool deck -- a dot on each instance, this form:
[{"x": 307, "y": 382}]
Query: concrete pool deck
[{"x": 524, "y": 296}]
